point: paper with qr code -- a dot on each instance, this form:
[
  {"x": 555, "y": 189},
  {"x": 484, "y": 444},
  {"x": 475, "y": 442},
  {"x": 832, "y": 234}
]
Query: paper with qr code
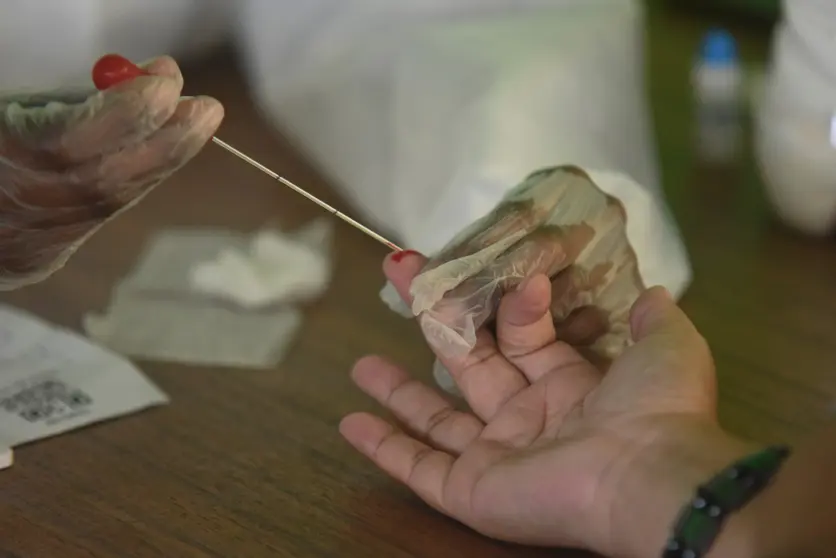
[{"x": 53, "y": 380}]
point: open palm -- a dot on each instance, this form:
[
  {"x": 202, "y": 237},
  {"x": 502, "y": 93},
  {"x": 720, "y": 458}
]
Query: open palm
[{"x": 541, "y": 457}]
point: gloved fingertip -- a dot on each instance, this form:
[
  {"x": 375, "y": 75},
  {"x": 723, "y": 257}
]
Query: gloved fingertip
[
  {"x": 200, "y": 116},
  {"x": 212, "y": 109},
  {"x": 163, "y": 65}
]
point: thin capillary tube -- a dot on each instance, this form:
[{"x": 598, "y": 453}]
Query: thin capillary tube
[{"x": 308, "y": 195}]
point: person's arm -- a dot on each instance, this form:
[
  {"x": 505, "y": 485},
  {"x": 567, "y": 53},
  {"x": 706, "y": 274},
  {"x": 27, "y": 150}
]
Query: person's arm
[{"x": 793, "y": 517}]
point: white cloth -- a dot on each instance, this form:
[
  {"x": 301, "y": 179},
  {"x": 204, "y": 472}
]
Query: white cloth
[
  {"x": 54, "y": 43},
  {"x": 423, "y": 112},
  {"x": 796, "y": 118}
]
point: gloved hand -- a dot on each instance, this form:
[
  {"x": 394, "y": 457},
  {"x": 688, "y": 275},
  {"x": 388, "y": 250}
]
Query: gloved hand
[
  {"x": 557, "y": 223},
  {"x": 71, "y": 160}
]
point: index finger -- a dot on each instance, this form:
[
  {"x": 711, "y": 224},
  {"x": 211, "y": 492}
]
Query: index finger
[
  {"x": 486, "y": 379},
  {"x": 401, "y": 268}
]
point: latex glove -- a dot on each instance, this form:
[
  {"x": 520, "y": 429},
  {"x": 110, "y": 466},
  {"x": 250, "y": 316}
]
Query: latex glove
[
  {"x": 557, "y": 223},
  {"x": 71, "y": 160},
  {"x": 554, "y": 452}
]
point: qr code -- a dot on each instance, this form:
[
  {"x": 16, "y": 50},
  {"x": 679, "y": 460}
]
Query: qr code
[{"x": 46, "y": 401}]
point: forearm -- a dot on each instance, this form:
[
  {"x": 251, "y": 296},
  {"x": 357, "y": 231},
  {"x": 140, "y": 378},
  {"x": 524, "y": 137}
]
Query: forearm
[
  {"x": 794, "y": 517},
  {"x": 663, "y": 479}
]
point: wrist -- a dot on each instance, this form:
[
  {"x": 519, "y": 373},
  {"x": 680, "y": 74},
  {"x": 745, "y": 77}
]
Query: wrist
[{"x": 663, "y": 477}]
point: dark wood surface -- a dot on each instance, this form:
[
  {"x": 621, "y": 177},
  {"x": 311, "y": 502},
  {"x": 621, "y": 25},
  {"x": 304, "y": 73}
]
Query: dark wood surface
[{"x": 250, "y": 464}]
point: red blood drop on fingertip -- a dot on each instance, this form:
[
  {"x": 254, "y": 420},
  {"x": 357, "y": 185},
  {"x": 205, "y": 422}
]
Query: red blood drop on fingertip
[
  {"x": 113, "y": 69},
  {"x": 398, "y": 256}
]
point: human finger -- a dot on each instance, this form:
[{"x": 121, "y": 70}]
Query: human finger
[
  {"x": 658, "y": 323},
  {"x": 451, "y": 323},
  {"x": 526, "y": 333},
  {"x": 660, "y": 328},
  {"x": 59, "y": 134},
  {"x": 420, "y": 408},
  {"x": 122, "y": 177},
  {"x": 583, "y": 326},
  {"x": 30, "y": 256},
  {"x": 164, "y": 66},
  {"x": 420, "y": 467},
  {"x": 523, "y": 323},
  {"x": 669, "y": 365},
  {"x": 96, "y": 190},
  {"x": 46, "y": 216},
  {"x": 484, "y": 377},
  {"x": 400, "y": 268}
]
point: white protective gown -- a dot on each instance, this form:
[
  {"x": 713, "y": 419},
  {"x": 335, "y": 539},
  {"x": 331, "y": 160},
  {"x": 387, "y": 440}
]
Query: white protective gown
[
  {"x": 422, "y": 112},
  {"x": 795, "y": 140}
]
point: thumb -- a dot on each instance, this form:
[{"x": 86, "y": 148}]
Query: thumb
[
  {"x": 657, "y": 321},
  {"x": 655, "y": 313},
  {"x": 670, "y": 363}
]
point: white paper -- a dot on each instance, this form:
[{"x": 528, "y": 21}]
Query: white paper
[
  {"x": 156, "y": 313},
  {"x": 195, "y": 332},
  {"x": 166, "y": 263},
  {"x": 253, "y": 270},
  {"x": 6, "y": 458},
  {"x": 275, "y": 267},
  {"x": 53, "y": 381}
]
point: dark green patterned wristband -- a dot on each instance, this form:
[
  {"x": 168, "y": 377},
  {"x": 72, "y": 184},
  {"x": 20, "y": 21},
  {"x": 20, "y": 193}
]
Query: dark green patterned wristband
[{"x": 700, "y": 521}]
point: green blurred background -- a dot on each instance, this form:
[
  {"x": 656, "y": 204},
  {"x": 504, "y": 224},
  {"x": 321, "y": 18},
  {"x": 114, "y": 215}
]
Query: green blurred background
[
  {"x": 675, "y": 29},
  {"x": 762, "y": 9}
]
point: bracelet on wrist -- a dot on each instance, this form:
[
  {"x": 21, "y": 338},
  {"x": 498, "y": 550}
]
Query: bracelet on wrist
[{"x": 701, "y": 520}]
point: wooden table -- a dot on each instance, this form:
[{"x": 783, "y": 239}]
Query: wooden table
[{"x": 250, "y": 464}]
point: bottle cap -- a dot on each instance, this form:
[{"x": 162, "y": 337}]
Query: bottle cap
[{"x": 718, "y": 48}]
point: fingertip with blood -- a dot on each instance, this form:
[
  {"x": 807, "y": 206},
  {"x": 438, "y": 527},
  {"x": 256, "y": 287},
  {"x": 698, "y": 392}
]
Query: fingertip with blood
[
  {"x": 400, "y": 268},
  {"x": 398, "y": 257}
]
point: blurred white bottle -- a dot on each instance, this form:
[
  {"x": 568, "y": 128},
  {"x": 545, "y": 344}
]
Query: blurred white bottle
[
  {"x": 717, "y": 83},
  {"x": 795, "y": 136}
]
